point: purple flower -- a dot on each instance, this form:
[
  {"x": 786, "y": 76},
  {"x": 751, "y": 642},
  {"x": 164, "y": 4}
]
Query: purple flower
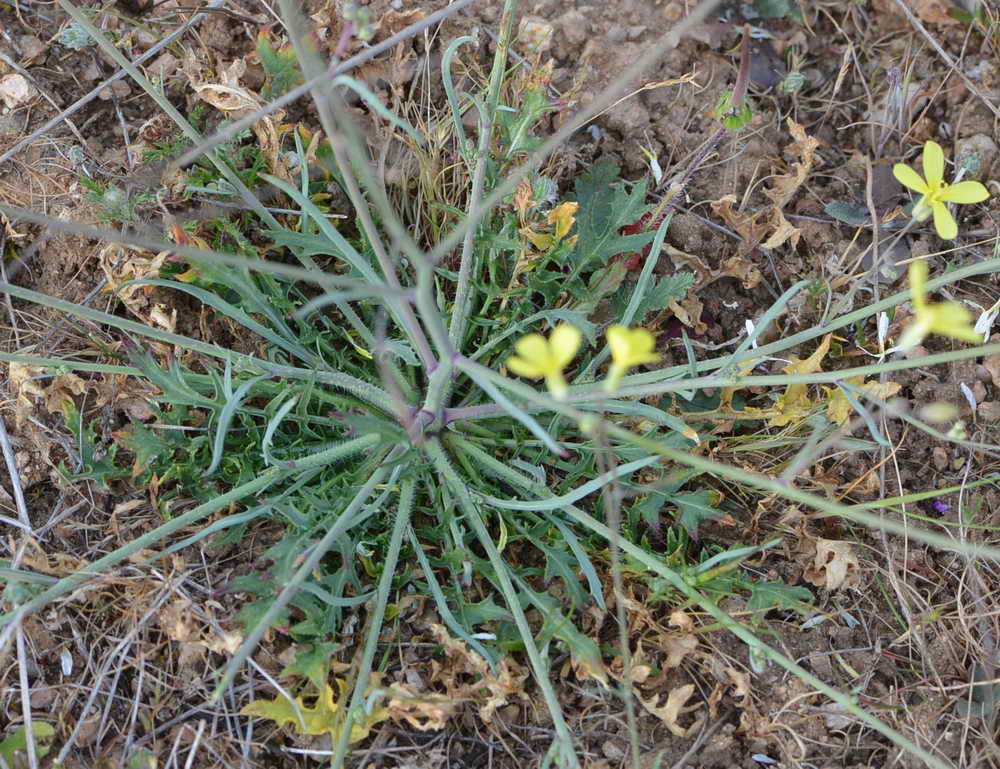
[{"x": 941, "y": 507}]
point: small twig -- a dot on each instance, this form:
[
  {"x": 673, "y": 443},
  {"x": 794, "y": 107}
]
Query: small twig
[
  {"x": 29, "y": 727},
  {"x": 946, "y": 58},
  {"x": 15, "y": 478}
]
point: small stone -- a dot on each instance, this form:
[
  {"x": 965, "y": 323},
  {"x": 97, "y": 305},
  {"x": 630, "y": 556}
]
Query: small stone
[
  {"x": 91, "y": 71},
  {"x": 117, "y": 90},
  {"x": 634, "y": 33},
  {"x": 163, "y": 66},
  {"x": 534, "y": 35},
  {"x": 42, "y": 697},
  {"x": 32, "y": 49},
  {"x": 616, "y": 34},
  {"x": 574, "y": 26},
  {"x": 989, "y": 411},
  {"x": 613, "y": 750},
  {"x": 939, "y": 456},
  {"x": 16, "y": 91},
  {"x": 976, "y": 155},
  {"x": 673, "y": 11}
]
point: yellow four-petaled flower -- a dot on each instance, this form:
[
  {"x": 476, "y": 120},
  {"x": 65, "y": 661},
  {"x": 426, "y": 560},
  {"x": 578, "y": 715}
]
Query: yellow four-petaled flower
[
  {"x": 539, "y": 357},
  {"x": 629, "y": 347},
  {"x": 945, "y": 318},
  {"x": 936, "y": 192}
]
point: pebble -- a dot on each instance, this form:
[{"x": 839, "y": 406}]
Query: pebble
[
  {"x": 976, "y": 154},
  {"x": 16, "y": 91},
  {"x": 574, "y": 26}
]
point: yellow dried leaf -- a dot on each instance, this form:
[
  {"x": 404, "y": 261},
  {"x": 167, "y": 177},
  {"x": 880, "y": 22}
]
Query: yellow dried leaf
[
  {"x": 794, "y": 404},
  {"x": 539, "y": 240},
  {"x": 323, "y": 717},
  {"x": 524, "y": 198},
  {"x": 563, "y": 216},
  {"x": 839, "y": 408}
]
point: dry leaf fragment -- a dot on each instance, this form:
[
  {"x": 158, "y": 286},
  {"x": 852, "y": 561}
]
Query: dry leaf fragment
[
  {"x": 688, "y": 311},
  {"x": 177, "y": 621},
  {"x": 784, "y": 186},
  {"x": 677, "y": 647},
  {"x": 741, "y": 682},
  {"x": 674, "y": 707},
  {"x": 935, "y": 12},
  {"x": 839, "y": 408},
  {"x": 424, "y": 712},
  {"x": 228, "y": 96},
  {"x": 488, "y": 689},
  {"x": 835, "y": 565}
]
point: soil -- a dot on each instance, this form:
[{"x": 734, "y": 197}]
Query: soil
[{"x": 903, "y": 636}]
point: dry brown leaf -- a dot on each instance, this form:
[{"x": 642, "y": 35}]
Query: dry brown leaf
[
  {"x": 769, "y": 228},
  {"x": 424, "y": 712},
  {"x": 747, "y": 226},
  {"x": 393, "y": 21},
  {"x": 61, "y": 391},
  {"x": 228, "y": 96},
  {"x": 677, "y": 647},
  {"x": 834, "y": 566},
  {"x": 680, "y": 620},
  {"x": 121, "y": 265},
  {"x": 674, "y": 707},
  {"x": 56, "y": 565},
  {"x": 992, "y": 364},
  {"x": 783, "y": 231},
  {"x": 489, "y": 690},
  {"x": 176, "y": 620},
  {"x": 26, "y": 387},
  {"x": 741, "y": 682},
  {"x": 934, "y": 12},
  {"x": 742, "y": 269},
  {"x": 784, "y": 186},
  {"x": 225, "y": 642},
  {"x": 688, "y": 311}
]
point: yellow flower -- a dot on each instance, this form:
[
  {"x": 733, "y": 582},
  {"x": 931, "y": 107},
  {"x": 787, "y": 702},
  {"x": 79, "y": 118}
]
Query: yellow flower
[
  {"x": 629, "y": 347},
  {"x": 539, "y": 357},
  {"x": 936, "y": 192},
  {"x": 945, "y": 318}
]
